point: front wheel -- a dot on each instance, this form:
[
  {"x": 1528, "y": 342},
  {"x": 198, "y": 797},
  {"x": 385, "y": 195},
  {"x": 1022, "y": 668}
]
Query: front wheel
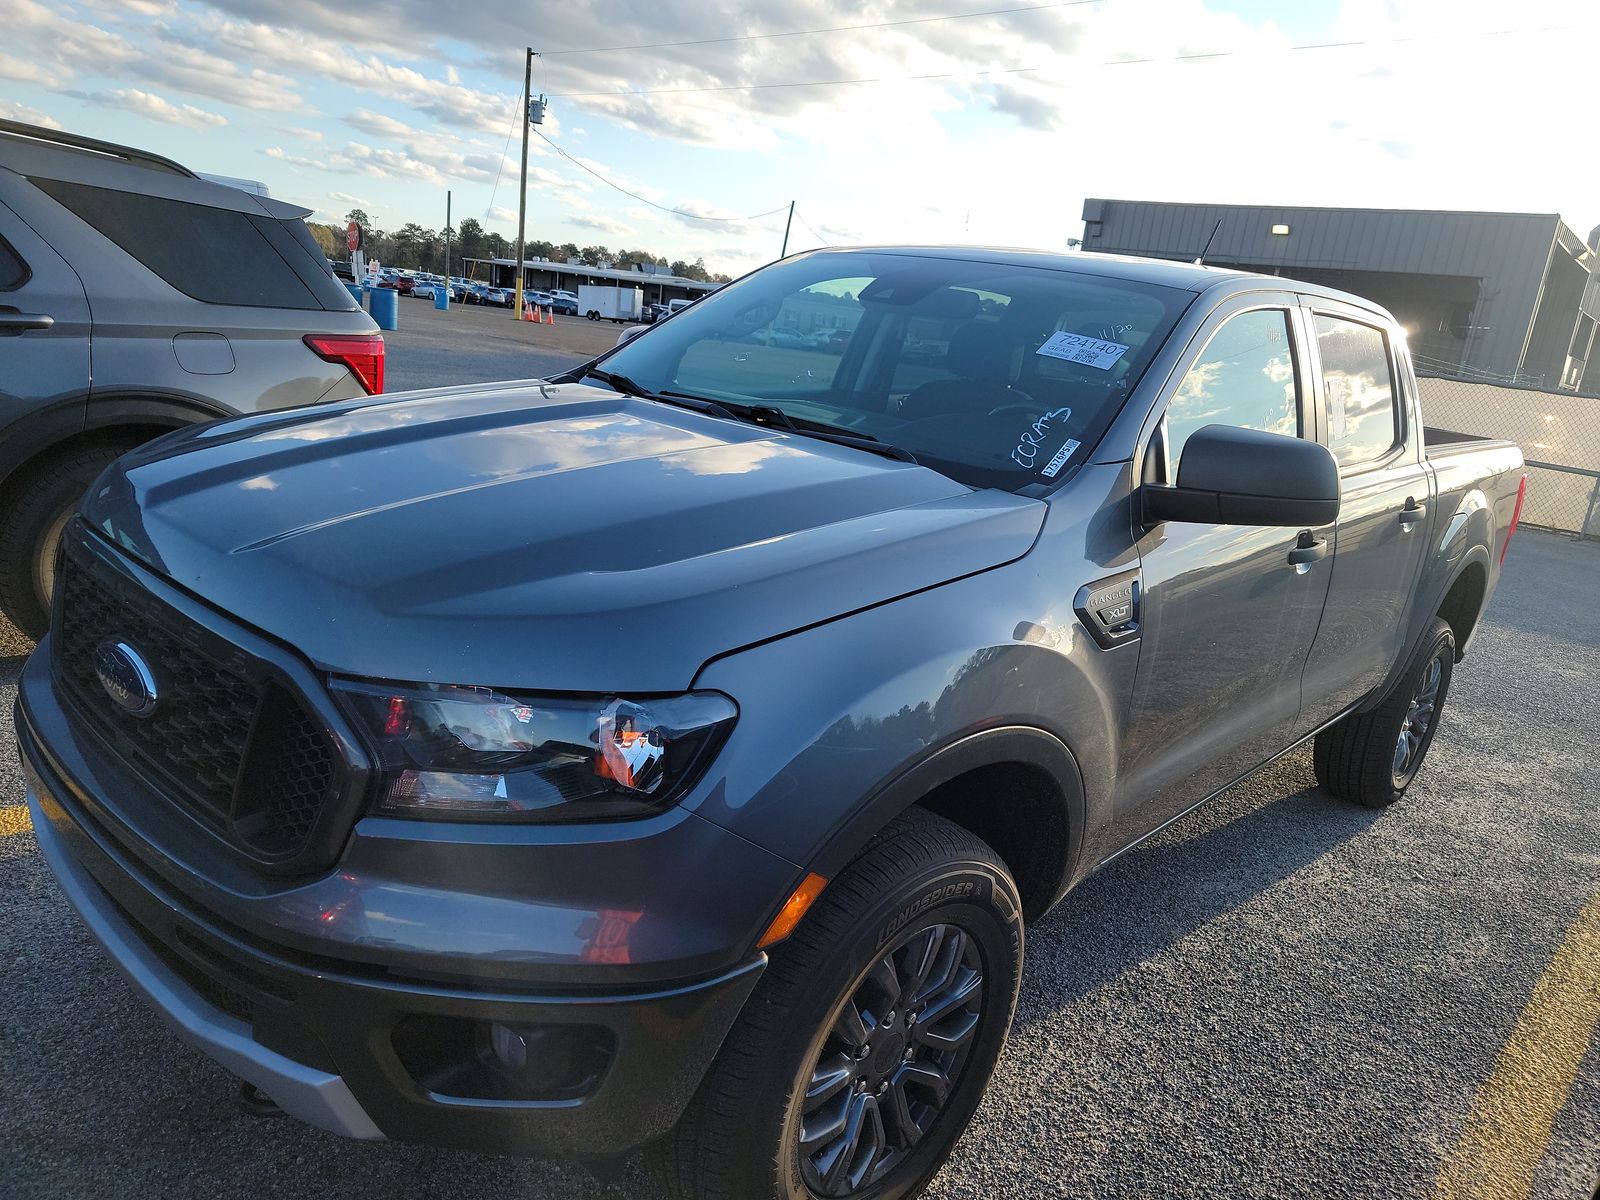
[
  {"x": 41, "y": 503},
  {"x": 864, "y": 1050}
]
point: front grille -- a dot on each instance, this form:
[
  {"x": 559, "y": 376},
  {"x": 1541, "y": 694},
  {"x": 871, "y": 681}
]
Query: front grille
[{"x": 225, "y": 739}]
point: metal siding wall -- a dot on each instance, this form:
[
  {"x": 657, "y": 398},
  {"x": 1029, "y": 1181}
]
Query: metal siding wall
[{"x": 1506, "y": 251}]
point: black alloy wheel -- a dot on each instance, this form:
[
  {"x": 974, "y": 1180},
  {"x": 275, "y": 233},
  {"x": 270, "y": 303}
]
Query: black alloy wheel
[
  {"x": 1413, "y": 739},
  {"x": 894, "y": 1052}
]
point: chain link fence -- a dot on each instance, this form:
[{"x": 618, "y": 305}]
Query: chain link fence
[{"x": 1559, "y": 433}]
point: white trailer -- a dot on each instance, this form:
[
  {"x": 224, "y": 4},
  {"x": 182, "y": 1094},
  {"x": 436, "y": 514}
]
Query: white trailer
[{"x": 602, "y": 303}]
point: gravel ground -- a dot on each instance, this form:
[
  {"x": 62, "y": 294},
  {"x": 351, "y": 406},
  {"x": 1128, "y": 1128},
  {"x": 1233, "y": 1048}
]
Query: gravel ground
[{"x": 1280, "y": 996}]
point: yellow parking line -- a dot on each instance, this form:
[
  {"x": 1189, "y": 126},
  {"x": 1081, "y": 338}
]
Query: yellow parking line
[
  {"x": 1508, "y": 1128},
  {"x": 14, "y": 819}
]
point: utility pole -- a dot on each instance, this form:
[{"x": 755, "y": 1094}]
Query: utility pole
[
  {"x": 785, "y": 251},
  {"x": 447, "y": 243},
  {"x": 522, "y": 188}
]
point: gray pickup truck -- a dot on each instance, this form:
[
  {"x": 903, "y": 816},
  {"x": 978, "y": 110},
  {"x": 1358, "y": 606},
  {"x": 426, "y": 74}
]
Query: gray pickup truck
[{"x": 670, "y": 753}]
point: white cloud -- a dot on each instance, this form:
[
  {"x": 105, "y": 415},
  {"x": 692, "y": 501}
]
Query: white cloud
[
  {"x": 347, "y": 198},
  {"x": 157, "y": 108},
  {"x": 602, "y": 225},
  {"x": 13, "y": 111}
]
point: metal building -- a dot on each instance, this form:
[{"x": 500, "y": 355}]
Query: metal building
[{"x": 1494, "y": 296}]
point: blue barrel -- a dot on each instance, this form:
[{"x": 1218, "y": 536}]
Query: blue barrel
[
  {"x": 385, "y": 305},
  {"x": 355, "y": 291},
  {"x": 441, "y": 297}
]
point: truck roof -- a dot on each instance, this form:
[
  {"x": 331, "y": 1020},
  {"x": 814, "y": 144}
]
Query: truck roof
[{"x": 1188, "y": 276}]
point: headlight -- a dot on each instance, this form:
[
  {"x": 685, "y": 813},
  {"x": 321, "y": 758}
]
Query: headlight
[{"x": 468, "y": 753}]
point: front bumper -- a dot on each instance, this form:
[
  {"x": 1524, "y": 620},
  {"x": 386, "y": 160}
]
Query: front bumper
[{"x": 318, "y": 1034}]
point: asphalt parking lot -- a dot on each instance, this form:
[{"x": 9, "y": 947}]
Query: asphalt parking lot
[
  {"x": 427, "y": 350},
  {"x": 1281, "y": 996}
]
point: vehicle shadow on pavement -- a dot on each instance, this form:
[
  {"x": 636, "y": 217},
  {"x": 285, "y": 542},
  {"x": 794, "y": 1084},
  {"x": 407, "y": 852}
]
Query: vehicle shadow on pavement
[{"x": 1207, "y": 864}]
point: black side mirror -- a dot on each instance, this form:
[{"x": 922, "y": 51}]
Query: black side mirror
[{"x": 1233, "y": 476}]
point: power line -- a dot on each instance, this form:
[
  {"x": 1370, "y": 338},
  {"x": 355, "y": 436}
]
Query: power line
[
  {"x": 756, "y": 87},
  {"x": 646, "y": 200},
  {"x": 755, "y": 37},
  {"x": 799, "y": 217},
  {"x": 1109, "y": 62},
  {"x": 510, "y": 133}
]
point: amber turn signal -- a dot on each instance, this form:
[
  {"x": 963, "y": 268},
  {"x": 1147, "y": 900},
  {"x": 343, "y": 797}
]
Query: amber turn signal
[{"x": 795, "y": 907}]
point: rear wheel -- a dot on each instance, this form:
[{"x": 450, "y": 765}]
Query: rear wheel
[
  {"x": 865, "y": 1048},
  {"x": 38, "y": 508},
  {"x": 1371, "y": 758}
]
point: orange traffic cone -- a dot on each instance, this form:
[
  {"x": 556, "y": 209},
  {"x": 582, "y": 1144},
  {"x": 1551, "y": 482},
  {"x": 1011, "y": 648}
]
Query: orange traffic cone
[
  {"x": 549, "y": 316},
  {"x": 527, "y": 310}
]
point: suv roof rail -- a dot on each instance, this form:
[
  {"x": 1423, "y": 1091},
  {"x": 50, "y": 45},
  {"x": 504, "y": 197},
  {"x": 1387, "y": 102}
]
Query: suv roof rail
[{"x": 77, "y": 141}]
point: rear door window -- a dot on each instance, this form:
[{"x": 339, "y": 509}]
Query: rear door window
[
  {"x": 1358, "y": 388},
  {"x": 1244, "y": 377},
  {"x": 215, "y": 255}
]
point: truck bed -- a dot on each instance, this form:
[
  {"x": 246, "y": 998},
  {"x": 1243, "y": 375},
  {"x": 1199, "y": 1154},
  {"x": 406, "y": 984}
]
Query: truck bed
[{"x": 1438, "y": 443}]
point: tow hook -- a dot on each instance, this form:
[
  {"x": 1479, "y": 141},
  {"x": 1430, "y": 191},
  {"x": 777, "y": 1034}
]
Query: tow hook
[{"x": 254, "y": 1102}]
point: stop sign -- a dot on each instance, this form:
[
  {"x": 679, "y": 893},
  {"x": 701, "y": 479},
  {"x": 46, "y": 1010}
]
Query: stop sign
[{"x": 352, "y": 236}]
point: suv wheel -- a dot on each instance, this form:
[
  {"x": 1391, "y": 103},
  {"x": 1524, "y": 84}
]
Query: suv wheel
[
  {"x": 41, "y": 503},
  {"x": 865, "y": 1048},
  {"x": 1371, "y": 758}
]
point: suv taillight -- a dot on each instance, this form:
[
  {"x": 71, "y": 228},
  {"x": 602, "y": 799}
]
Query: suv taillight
[{"x": 361, "y": 352}]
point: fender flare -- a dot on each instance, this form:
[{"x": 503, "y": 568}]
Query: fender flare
[
  {"x": 1427, "y": 607},
  {"x": 40, "y": 432},
  {"x": 1021, "y": 744}
]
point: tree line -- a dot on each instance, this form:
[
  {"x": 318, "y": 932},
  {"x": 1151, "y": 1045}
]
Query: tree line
[{"x": 416, "y": 248}]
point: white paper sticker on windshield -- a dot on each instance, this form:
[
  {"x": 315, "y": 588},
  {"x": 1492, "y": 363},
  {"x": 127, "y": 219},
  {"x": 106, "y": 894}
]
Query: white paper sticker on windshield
[
  {"x": 1060, "y": 460},
  {"x": 1075, "y": 347}
]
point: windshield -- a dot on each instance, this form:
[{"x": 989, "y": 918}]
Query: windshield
[{"x": 997, "y": 375}]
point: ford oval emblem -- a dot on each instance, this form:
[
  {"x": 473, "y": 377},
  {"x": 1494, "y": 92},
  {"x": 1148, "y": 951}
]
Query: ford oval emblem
[{"x": 126, "y": 677}]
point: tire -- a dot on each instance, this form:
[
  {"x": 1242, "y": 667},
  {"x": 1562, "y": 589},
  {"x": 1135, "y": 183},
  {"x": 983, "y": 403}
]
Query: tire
[
  {"x": 1360, "y": 759},
  {"x": 921, "y": 886},
  {"x": 38, "y": 506}
]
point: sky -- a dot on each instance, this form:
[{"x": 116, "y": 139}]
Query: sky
[{"x": 1453, "y": 104}]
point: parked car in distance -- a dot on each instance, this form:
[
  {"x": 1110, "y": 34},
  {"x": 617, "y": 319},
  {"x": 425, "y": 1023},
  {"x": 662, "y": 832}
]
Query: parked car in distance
[
  {"x": 399, "y": 281},
  {"x": 833, "y": 341},
  {"x": 653, "y": 313},
  {"x": 789, "y": 338},
  {"x": 197, "y": 299},
  {"x": 775, "y": 721},
  {"x": 676, "y": 305},
  {"x": 564, "y": 303},
  {"x": 341, "y": 270}
]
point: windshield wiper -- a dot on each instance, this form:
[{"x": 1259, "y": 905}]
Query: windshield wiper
[
  {"x": 621, "y": 383},
  {"x": 775, "y": 418}
]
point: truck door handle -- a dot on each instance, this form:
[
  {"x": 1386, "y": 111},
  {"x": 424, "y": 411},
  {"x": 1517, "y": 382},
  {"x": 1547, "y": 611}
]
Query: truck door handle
[
  {"x": 13, "y": 322},
  {"x": 1306, "y": 551},
  {"x": 1412, "y": 514}
]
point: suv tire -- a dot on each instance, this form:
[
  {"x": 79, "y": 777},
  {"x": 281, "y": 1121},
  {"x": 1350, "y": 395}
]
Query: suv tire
[
  {"x": 1371, "y": 758},
  {"x": 915, "y": 952},
  {"x": 40, "y": 503}
]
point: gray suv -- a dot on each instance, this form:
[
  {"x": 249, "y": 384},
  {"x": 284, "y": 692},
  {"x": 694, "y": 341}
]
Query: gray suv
[{"x": 135, "y": 298}]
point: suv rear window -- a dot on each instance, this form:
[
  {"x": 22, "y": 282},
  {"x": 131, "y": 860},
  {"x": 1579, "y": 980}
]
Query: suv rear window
[
  {"x": 13, "y": 271},
  {"x": 215, "y": 255}
]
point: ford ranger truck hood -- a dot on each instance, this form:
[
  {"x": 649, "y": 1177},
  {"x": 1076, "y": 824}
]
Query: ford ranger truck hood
[{"x": 559, "y": 538}]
